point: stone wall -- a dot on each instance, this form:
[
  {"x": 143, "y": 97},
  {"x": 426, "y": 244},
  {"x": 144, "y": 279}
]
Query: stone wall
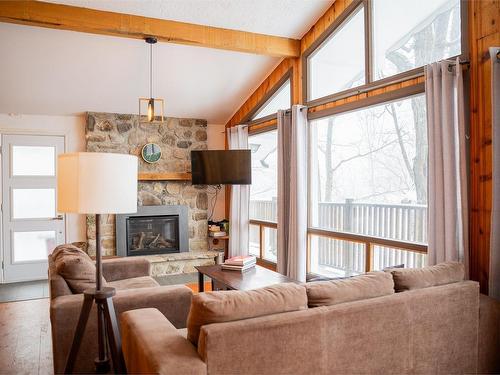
[{"x": 121, "y": 133}]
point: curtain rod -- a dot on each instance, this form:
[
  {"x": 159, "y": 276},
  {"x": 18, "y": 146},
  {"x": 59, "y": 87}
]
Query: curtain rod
[
  {"x": 276, "y": 114},
  {"x": 465, "y": 64}
]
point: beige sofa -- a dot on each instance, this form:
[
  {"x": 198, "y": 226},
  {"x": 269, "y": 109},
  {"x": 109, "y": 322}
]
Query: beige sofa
[
  {"x": 360, "y": 326},
  {"x": 135, "y": 290}
]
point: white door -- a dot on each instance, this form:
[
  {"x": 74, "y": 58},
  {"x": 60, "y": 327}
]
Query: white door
[{"x": 31, "y": 227}]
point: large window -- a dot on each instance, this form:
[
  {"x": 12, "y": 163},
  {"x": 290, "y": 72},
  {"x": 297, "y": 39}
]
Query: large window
[
  {"x": 403, "y": 35},
  {"x": 263, "y": 195},
  {"x": 281, "y": 99},
  {"x": 408, "y": 34},
  {"x": 368, "y": 178},
  {"x": 339, "y": 64}
]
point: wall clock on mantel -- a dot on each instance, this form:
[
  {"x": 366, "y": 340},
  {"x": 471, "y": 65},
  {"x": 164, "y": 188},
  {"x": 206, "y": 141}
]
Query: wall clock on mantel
[{"x": 151, "y": 153}]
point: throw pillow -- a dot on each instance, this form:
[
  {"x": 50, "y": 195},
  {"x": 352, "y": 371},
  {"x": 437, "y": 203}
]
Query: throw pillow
[{"x": 76, "y": 267}]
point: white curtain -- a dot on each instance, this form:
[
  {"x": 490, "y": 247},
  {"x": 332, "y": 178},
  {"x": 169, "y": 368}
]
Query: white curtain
[
  {"x": 494, "y": 274},
  {"x": 240, "y": 198},
  {"x": 448, "y": 234},
  {"x": 292, "y": 192}
]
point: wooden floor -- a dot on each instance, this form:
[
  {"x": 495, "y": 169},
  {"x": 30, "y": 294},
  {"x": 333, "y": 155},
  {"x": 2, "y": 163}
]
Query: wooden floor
[
  {"x": 25, "y": 342},
  {"x": 24, "y": 291}
]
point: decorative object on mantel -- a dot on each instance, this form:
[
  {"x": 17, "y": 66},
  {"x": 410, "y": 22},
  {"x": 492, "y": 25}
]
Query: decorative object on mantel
[
  {"x": 151, "y": 153},
  {"x": 76, "y": 195},
  {"x": 151, "y": 101}
]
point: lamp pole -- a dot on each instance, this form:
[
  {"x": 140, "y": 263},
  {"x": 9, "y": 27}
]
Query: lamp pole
[{"x": 107, "y": 325}]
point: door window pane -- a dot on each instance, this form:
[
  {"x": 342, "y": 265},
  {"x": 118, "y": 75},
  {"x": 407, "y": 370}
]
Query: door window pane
[
  {"x": 33, "y": 203},
  {"x": 33, "y": 246},
  {"x": 339, "y": 63},
  {"x": 280, "y": 100},
  {"x": 264, "y": 190},
  {"x": 408, "y": 34},
  {"x": 336, "y": 258},
  {"x": 33, "y": 161},
  {"x": 368, "y": 171}
]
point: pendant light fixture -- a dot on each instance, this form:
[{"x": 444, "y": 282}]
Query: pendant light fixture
[{"x": 151, "y": 101}]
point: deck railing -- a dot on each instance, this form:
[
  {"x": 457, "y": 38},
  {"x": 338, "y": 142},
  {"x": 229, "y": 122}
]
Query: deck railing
[{"x": 387, "y": 222}]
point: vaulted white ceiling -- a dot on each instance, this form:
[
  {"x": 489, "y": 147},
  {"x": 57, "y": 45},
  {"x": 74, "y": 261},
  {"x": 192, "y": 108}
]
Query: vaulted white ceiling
[{"x": 55, "y": 72}]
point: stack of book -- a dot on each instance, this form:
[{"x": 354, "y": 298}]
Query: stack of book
[
  {"x": 217, "y": 234},
  {"x": 240, "y": 263}
]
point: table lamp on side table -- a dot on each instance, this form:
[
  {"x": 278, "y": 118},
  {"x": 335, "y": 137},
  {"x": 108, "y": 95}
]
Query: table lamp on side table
[{"x": 97, "y": 183}]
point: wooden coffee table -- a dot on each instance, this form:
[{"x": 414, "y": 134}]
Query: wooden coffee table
[{"x": 256, "y": 277}]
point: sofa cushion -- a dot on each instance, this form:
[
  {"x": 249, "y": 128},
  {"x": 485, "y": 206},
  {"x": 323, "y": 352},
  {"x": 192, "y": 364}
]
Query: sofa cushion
[
  {"x": 417, "y": 278},
  {"x": 76, "y": 267},
  {"x": 332, "y": 292},
  {"x": 225, "y": 306},
  {"x": 134, "y": 283}
]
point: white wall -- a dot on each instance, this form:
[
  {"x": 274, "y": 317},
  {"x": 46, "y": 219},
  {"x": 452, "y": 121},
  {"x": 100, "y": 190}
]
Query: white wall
[
  {"x": 216, "y": 141},
  {"x": 73, "y": 130}
]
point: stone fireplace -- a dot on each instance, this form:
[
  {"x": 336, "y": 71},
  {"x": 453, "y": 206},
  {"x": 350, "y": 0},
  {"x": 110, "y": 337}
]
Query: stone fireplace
[
  {"x": 153, "y": 230},
  {"x": 125, "y": 133}
]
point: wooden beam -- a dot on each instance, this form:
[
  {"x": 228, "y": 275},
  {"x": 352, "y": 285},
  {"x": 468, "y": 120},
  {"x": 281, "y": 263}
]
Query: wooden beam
[{"x": 66, "y": 17}]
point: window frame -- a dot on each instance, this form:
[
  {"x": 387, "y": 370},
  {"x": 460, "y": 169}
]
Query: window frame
[
  {"x": 369, "y": 241},
  {"x": 288, "y": 76},
  {"x": 370, "y": 83},
  {"x": 263, "y": 224}
]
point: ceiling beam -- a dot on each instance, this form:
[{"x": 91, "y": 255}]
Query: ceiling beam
[{"x": 66, "y": 17}]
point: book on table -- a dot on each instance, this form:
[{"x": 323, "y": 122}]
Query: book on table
[
  {"x": 229, "y": 267},
  {"x": 241, "y": 260}
]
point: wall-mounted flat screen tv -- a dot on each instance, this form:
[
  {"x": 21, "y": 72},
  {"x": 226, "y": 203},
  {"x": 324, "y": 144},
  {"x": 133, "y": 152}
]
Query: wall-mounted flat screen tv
[{"x": 221, "y": 167}]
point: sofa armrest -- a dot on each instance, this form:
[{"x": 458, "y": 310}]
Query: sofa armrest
[
  {"x": 173, "y": 302},
  {"x": 125, "y": 268},
  {"x": 152, "y": 345}
]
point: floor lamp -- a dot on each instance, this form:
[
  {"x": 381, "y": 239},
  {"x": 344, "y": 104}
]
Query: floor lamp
[{"x": 97, "y": 183}]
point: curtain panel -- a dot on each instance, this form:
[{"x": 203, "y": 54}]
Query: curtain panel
[
  {"x": 448, "y": 233},
  {"x": 240, "y": 199},
  {"x": 494, "y": 274},
  {"x": 292, "y": 192}
]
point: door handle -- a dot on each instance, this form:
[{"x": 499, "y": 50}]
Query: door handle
[{"x": 58, "y": 217}]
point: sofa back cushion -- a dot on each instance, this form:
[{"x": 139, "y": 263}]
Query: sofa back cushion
[
  {"x": 332, "y": 292},
  {"x": 225, "y": 306},
  {"x": 418, "y": 278},
  {"x": 76, "y": 267}
]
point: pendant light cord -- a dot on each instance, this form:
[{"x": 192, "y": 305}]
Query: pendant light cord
[{"x": 150, "y": 70}]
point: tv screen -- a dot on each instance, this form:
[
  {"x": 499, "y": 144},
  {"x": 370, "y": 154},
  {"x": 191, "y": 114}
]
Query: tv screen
[{"x": 221, "y": 167}]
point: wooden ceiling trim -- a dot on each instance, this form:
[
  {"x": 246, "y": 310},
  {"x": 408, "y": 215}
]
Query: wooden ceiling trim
[{"x": 66, "y": 17}]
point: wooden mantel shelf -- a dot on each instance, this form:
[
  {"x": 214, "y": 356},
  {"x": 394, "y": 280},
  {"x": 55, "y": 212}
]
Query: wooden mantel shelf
[{"x": 172, "y": 176}]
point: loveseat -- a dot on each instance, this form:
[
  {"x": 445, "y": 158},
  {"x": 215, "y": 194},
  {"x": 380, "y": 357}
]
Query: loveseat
[
  {"x": 136, "y": 289},
  {"x": 398, "y": 322}
]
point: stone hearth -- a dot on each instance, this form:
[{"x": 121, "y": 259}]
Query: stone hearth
[{"x": 124, "y": 133}]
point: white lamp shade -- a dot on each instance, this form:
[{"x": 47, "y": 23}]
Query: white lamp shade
[{"x": 96, "y": 183}]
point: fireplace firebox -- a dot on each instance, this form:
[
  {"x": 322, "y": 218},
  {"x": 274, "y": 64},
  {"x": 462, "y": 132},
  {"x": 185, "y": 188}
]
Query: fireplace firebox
[{"x": 152, "y": 230}]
